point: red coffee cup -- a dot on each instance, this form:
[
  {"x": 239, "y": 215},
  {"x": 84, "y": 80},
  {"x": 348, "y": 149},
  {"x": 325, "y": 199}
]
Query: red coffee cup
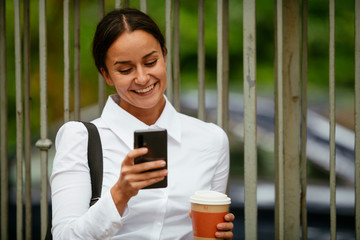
[{"x": 208, "y": 209}]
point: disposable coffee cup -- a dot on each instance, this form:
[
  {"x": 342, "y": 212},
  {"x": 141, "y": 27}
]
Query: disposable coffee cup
[{"x": 208, "y": 208}]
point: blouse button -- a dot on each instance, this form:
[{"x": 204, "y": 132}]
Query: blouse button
[{"x": 116, "y": 225}]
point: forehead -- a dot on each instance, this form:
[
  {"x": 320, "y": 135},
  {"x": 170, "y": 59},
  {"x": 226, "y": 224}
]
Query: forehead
[{"x": 132, "y": 45}]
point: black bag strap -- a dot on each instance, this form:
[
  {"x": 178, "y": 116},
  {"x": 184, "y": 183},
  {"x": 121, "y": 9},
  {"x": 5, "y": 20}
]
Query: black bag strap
[{"x": 95, "y": 161}]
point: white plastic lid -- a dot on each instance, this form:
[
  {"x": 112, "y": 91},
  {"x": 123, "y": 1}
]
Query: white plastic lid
[{"x": 210, "y": 198}]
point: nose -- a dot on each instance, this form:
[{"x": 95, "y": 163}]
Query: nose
[{"x": 142, "y": 76}]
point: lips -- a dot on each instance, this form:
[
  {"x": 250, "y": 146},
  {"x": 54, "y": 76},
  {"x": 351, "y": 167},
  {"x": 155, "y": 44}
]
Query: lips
[{"x": 145, "y": 90}]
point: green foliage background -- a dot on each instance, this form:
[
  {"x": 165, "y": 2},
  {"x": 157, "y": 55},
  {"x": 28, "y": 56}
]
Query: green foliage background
[{"x": 318, "y": 51}]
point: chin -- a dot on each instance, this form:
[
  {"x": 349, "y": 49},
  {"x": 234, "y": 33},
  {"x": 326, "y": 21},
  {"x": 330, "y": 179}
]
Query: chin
[
  {"x": 152, "y": 104},
  {"x": 148, "y": 106}
]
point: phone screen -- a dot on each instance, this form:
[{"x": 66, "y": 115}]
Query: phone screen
[{"x": 155, "y": 140}]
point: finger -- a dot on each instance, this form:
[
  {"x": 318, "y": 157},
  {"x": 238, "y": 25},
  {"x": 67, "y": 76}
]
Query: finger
[
  {"x": 133, "y": 182},
  {"x": 225, "y": 226},
  {"x": 142, "y": 184},
  {"x": 150, "y": 175},
  {"x": 136, "y": 176},
  {"x": 224, "y": 235},
  {"x": 137, "y": 152},
  {"x": 150, "y": 165},
  {"x": 229, "y": 217},
  {"x": 129, "y": 159}
]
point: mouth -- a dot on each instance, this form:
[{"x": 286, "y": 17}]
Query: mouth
[{"x": 145, "y": 90}]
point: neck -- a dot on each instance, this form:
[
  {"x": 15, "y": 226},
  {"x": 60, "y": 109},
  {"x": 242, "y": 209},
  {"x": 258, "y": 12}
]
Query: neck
[{"x": 149, "y": 116}]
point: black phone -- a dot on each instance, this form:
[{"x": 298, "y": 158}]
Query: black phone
[{"x": 155, "y": 140}]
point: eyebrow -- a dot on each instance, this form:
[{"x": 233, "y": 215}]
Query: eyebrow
[{"x": 126, "y": 62}]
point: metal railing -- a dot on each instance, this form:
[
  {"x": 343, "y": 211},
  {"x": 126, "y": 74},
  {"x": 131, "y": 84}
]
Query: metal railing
[{"x": 290, "y": 87}]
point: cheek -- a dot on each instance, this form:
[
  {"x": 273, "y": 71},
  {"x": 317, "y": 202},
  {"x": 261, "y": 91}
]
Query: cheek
[
  {"x": 121, "y": 81},
  {"x": 160, "y": 73}
]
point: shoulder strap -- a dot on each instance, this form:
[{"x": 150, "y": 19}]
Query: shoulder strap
[{"x": 95, "y": 161}]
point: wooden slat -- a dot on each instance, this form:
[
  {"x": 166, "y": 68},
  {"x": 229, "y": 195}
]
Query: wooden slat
[
  {"x": 19, "y": 121},
  {"x": 222, "y": 63},
  {"x": 43, "y": 143},
  {"x": 177, "y": 55},
  {"x": 279, "y": 124},
  {"x": 291, "y": 108},
  {"x": 250, "y": 133},
  {"x": 168, "y": 36},
  {"x": 101, "y": 81},
  {"x": 304, "y": 106},
  {"x": 357, "y": 119},
  {"x": 143, "y": 5},
  {"x": 118, "y": 4},
  {"x": 27, "y": 121},
  {"x": 4, "y": 168},
  {"x": 66, "y": 36},
  {"x": 332, "y": 119},
  {"x": 288, "y": 127},
  {"x": 77, "y": 93},
  {"x": 201, "y": 60}
]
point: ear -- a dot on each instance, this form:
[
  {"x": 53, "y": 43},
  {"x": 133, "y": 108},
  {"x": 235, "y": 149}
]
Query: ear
[
  {"x": 106, "y": 76},
  {"x": 164, "y": 56}
]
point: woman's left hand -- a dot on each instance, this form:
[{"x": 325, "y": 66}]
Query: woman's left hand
[{"x": 225, "y": 228}]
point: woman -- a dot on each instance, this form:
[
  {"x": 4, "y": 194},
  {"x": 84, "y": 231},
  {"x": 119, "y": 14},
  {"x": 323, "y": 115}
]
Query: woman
[{"x": 129, "y": 51}]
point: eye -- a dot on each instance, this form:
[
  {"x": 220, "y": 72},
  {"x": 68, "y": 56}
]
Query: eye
[
  {"x": 149, "y": 64},
  {"x": 126, "y": 71}
]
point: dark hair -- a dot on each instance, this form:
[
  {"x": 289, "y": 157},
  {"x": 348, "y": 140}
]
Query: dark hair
[{"x": 117, "y": 22}]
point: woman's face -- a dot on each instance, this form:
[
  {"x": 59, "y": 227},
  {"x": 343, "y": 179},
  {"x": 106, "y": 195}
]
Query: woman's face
[{"x": 137, "y": 69}]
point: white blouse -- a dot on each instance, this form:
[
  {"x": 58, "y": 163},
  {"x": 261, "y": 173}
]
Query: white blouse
[{"x": 198, "y": 159}]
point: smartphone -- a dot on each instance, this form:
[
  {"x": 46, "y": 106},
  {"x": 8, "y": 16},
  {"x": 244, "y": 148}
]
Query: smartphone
[{"x": 155, "y": 140}]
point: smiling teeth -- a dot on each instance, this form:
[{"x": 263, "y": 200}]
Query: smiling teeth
[{"x": 145, "y": 89}]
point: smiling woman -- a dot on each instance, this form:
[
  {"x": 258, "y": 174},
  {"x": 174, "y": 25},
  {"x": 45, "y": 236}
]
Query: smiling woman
[
  {"x": 136, "y": 67},
  {"x": 129, "y": 52}
]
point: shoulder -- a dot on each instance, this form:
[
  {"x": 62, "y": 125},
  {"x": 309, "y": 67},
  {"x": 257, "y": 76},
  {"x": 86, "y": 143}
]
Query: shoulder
[
  {"x": 73, "y": 127},
  {"x": 71, "y": 148},
  {"x": 205, "y": 130},
  {"x": 200, "y": 124},
  {"x": 71, "y": 133}
]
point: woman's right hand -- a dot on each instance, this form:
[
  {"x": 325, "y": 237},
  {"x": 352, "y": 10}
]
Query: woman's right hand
[{"x": 134, "y": 177}]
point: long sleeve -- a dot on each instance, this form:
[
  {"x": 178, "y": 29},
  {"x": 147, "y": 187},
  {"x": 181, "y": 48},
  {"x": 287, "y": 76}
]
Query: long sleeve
[
  {"x": 71, "y": 191},
  {"x": 220, "y": 180},
  {"x": 198, "y": 159}
]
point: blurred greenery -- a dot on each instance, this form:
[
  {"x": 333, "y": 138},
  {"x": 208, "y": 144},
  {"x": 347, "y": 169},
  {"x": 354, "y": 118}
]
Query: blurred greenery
[{"x": 318, "y": 52}]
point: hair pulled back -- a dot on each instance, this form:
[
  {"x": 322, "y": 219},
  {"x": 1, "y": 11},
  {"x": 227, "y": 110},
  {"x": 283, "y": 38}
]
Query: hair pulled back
[{"x": 114, "y": 24}]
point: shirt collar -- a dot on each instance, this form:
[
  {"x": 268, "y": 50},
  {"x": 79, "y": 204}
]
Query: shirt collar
[{"x": 124, "y": 124}]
